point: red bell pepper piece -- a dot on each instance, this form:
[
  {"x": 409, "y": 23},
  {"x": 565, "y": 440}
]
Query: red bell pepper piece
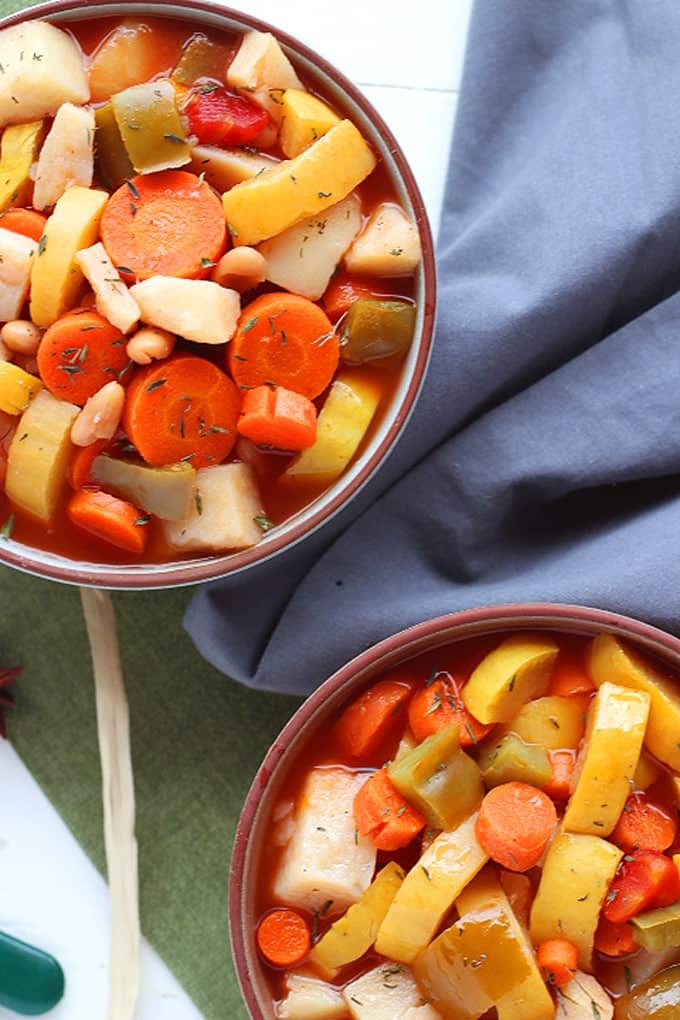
[
  {"x": 218, "y": 117},
  {"x": 645, "y": 880}
]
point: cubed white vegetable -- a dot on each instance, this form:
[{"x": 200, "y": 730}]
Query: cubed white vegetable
[
  {"x": 67, "y": 155},
  {"x": 327, "y": 859},
  {"x": 113, "y": 299},
  {"x": 223, "y": 516},
  {"x": 389, "y": 244},
  {"x": 584, "y": 998},
  {"x": 311, "y": 999},
  {"x": 263, "y": 70},
  {"x": 304, "y": 257},
  {"x": 386, "y": 993},
  {"x": 16, "y": 259},
  {"x": 42, "y": 68},
  {"x": 223, "y": 168},
  {"x": 197, "y": 310}
]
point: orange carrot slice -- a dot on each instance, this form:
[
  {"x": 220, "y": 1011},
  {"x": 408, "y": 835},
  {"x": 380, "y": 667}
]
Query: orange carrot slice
[
  {"x": 80, "y": 353},
  {"x": 371, "y": 718},
  {"x": 283, "y": 937},
  {"x": 24, "y": 221},
  {"x": 515, "y": 822},
  {"x": 109, "y": 518},
  {"x": 277, "y": 417}
]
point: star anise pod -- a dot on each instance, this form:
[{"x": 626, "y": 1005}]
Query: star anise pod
[{"x": 7, "y": 677}]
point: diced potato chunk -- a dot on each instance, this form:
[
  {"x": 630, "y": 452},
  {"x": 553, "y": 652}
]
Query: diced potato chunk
[
  {"x": 224, "y": 513},
  {"x": 67, "y": 155},
  {"x": 429, "y": 890},
  {"x": 304, "y": 119},
  {"x": 342, "y": 423},
  {"x": 197, "y": 310},
  {"x": 223, "y": 168},
  {"x": 553, "y": 722},
  {"x": 113, "y": 299},
  {"x": 263, "y": 71},
  {"x": 310, "y": 999},
  {"x": 39, "y": 455},
  {"x": 17, "y": 255},
  {"x": 508, "y": 677},
  {"x": 387, "y": 992},
  {"x": 42, "y": 68},
  {"x": 295, "y": 189},
  {"x": 326, "y": 859},
  {"x": 303, "y": 258},
  {"x": 583, "y": 999},
  {"x": 17, "y": 388},
  {"x": 18, "y": 152},
  {"x": 389, "y": 244},
  {"x": 607, "y": 761},
  {"x": 55, "y": 277},
  {"x": 127, "y": 56}
]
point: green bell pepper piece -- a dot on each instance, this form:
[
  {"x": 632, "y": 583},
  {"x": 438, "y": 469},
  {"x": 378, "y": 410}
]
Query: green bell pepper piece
[
  {"x": 511, "y": 760},
  {"x": 201, "y": 58},
  {"x": 376, "y": 329},
  {"x": 112, "y": 161},
  {"x": 150, "y": 126},
  {"x": 658, "y": 998},
  {"x": 658, "y": 929}
]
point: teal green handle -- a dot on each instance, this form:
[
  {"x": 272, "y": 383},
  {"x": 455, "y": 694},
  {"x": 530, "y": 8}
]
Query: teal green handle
[{"x": 31, "y": 981}]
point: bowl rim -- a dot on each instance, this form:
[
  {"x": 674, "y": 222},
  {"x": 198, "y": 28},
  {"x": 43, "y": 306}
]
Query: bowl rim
[
  {"x": 177, "y": 573},
  {"x": 397, "y": 647}
]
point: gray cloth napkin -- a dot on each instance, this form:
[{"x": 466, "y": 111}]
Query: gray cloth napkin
[{"x": 542, "y": 460}]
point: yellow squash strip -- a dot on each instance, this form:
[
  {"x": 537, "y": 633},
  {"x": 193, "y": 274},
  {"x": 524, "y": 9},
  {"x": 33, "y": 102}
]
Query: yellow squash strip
[
  {"x": 321, "y": 176},
  {"x": 17, "y": 388},
  {"x": 428, "y": 892},
  {"x": 607, "y": 760},
  {"x": 18, "y": 152},
  {"x": 353, "y": 934},
  {"x": 611, "y": 659},
  {"x": 552, "y": 722},
  {"x": 305, "y": 119},
  {"x": 509, "y": 676},
  {"x": 56, "y": 277},
  {"x": 576, "y": 876},
  {"x": 39, "y": 455}
]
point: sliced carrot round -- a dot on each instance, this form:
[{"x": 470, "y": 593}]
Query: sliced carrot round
[
  {"x": 286, "y": 340},
  {"x": 164, "y": 224},
  {"x": 183, "y": 408},
  {"x": 437, "y": 704},
  {"x": 80, "y": 353},
  {"x": 24, "y": 221},
  {"x": 283, "y": 937},
  {"x": 514, "y": 825}
]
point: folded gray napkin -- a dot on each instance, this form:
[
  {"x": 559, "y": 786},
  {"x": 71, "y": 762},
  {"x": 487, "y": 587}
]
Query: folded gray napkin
[{"x": 542, "y": 459}]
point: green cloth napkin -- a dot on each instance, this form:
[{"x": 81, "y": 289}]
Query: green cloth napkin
[{"x": 197, "y": 740}]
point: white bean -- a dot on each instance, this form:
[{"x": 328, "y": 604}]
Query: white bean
[
  {"x": 21, "y": 335},
  {"x": 100, "y": 416},
  {"x": 240, "y": 269},
  {"x": 150, "y": 344}
]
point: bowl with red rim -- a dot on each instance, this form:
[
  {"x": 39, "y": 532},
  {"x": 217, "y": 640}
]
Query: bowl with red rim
[
  {"x": 61, "y": 550},
  {"x": 310, "y": 742}
]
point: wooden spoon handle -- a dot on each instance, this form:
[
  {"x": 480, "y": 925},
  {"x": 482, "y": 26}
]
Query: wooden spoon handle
[{"x": 119, "y": 802}]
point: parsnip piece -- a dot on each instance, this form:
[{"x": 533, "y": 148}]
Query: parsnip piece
[
  {"x": 387, "y": 992},
  {"x": 429, "y": 890},
  {"x": 197, "y": 310},
  {"x": 113, "y": 299},
  {"x": 18, "y": 152},
  {"x": 326, "y": 859},
  {"x": 17, "y": 388},
  {"x": 42, "y": 68},
  {"x": 223, "y": 168},
  {"x": 17, "y": 255},
  {"x": 304, "y": 119},
  {"x": 311, "y": 999},
  {"x": 39, "y": 455},
  {"x": 583, "y": 999},
  {"x": 576, "y": 876},
  {"x": 263, "y": 71},
  {"x": 342, "y": 423},
  {"x": 55, "y": 277},
  {"x": 223, "y": 515},
  {"x": 508, "y": 677},
  {"x": 389, "y": 244},
  {"x": 610, "y": 658},
  {"x": 617, "y": 720},
  {"x": 67, "y": 155},
  {"x": 295, "y": 189},
  {"x": 303, "y": 258}
]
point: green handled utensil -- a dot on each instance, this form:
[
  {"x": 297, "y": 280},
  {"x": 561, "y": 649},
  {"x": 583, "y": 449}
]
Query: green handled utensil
[{"x": 31, "y": 981}]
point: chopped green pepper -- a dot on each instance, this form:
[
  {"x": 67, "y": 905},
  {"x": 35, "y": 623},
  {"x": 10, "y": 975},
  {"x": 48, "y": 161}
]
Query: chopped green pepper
[
  {"x": 167, "y": 492},
  {"x": 377, "y": 329},
  {"x": 658, "y": 929},
  {"x": 150, "y": 126},
  {"x": 656, "y": 999},
  {"x": 113, "y": 163},
  {"x": 201, "y": 58},
  {"x": 511, "y": 760},
  {"x": 439, "y": 779}
]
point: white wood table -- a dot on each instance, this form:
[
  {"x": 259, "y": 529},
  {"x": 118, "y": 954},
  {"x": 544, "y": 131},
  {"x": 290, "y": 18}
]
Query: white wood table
[{"x": 407, "y": 59}]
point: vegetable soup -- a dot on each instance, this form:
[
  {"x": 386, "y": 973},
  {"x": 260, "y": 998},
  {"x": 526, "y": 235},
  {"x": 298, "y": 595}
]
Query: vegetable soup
[
  {"x": 206, "y": 289},
  {"x": 488, "y": 831}
]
